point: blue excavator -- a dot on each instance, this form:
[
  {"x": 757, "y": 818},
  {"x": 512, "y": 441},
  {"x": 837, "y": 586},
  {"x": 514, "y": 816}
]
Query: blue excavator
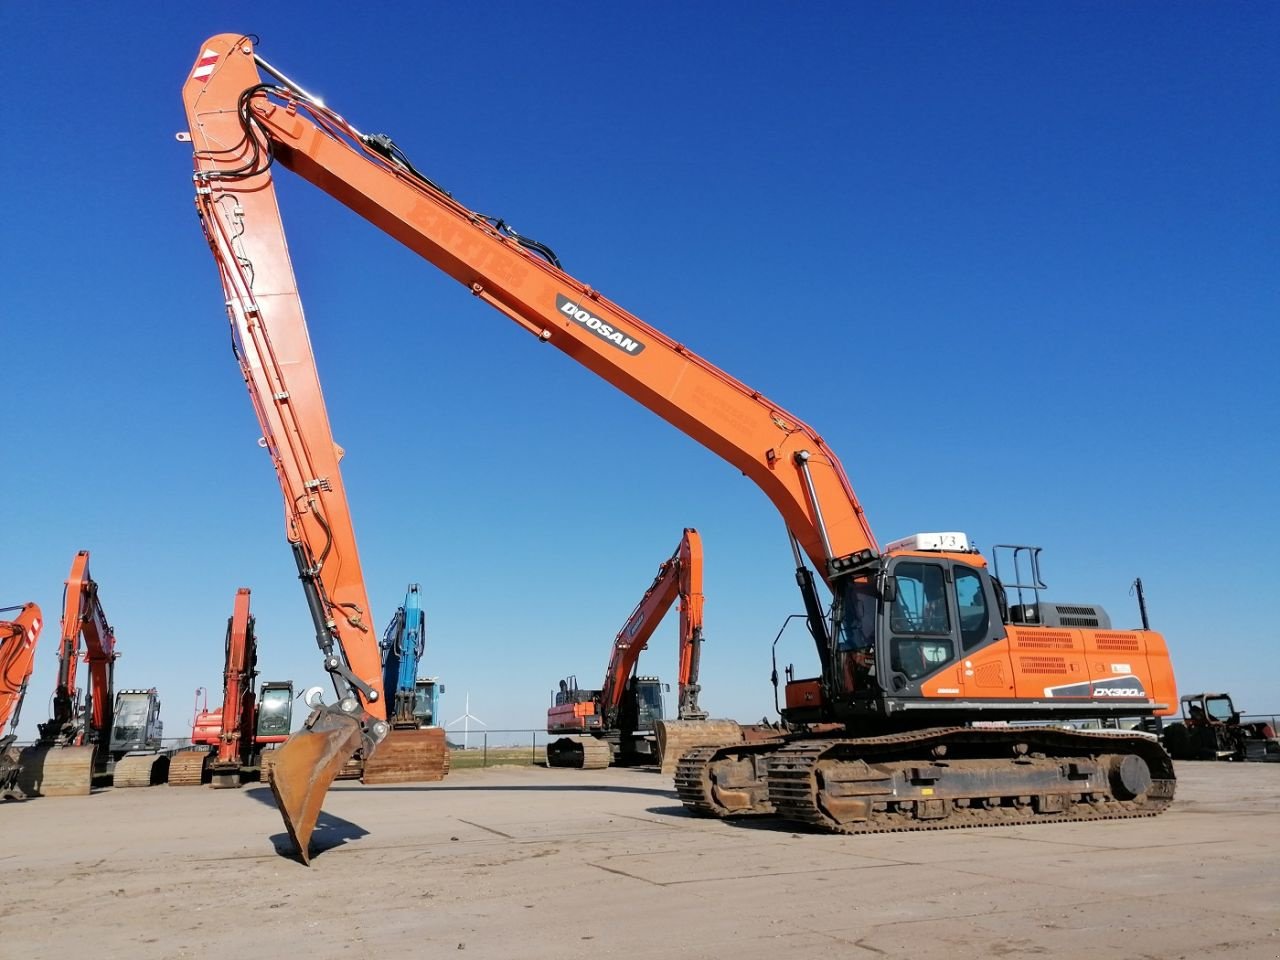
[{"x": 415, "y": 750}]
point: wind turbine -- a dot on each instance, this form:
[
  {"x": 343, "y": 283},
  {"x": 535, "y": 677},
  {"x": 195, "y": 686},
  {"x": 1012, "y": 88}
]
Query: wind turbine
[{"x": 465, "y": 720}]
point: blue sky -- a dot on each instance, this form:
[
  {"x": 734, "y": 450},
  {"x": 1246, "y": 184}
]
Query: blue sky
[{"x": 1016, "y": 262}]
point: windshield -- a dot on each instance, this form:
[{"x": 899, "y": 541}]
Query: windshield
[
  {"x": 1219, "y": 707},
  {"x": 422, "y": 704},
  {"x": 274, "y": 712},
  {"x": 131, "y": 717},
  {"x": 649, "y": 701}
]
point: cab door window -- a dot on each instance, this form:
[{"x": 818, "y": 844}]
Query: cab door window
[{"x": 920, "y": 621}]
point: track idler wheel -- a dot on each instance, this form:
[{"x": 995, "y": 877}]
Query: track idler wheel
[
  {"x": 1130, "y": 776},
  {"x": 307, "y": 764}
]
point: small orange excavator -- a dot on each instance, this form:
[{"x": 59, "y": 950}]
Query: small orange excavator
[
  {"x": 17, "y": 658},
  {"x": 238, "y": 730},
  {"x": 74, "y": 743},
  {"x": 623, "y": 722},
  {"x": 935, "y": 699}
]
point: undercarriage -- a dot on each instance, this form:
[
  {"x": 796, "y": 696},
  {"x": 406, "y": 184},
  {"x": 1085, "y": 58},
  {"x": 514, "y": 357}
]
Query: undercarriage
[{"x": 938, "y": 778}]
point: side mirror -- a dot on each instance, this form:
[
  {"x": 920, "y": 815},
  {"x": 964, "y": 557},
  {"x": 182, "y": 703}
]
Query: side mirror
[{"x": 889, "y": 589}]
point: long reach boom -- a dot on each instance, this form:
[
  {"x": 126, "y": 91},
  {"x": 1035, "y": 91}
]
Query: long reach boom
[{"x": 918, "y": 635}]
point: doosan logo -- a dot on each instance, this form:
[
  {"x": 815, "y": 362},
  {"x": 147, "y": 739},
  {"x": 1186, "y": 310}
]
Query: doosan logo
[{"x": 597, "y": 326}]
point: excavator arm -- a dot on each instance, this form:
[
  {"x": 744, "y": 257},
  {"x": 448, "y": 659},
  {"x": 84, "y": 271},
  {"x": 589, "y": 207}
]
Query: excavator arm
[
  {"x": 240, "y": 126},
  {"x": 635, "y": 633},
  {"x": 403, "y": 643},
  {"x": 238, "y": 706},
  {"x": 17, "y": 658},
  {"x": 688, "y": 559},
  {"x": 82, "y": 617}
]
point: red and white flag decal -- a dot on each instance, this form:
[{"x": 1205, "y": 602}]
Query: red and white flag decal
[{"x": 204, "y": 66}]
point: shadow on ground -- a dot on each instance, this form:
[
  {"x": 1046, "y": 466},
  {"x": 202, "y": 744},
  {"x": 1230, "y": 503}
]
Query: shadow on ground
[{"x": 330, "y": 831}]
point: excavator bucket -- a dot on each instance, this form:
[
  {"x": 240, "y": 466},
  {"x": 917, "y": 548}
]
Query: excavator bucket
[
  {"x": 676, "y": 737},
  {"x": 304, "y": 768}
]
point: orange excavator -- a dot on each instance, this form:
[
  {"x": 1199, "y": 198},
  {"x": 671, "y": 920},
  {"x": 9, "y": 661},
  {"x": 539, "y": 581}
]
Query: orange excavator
[
  {"x": 623, "y": 722},
  {"x": 74, "y": 742},
  {"x": 920, "y": 641},
  {"x": 237, "y": 731},
  {"x": 17, "y": 658}
]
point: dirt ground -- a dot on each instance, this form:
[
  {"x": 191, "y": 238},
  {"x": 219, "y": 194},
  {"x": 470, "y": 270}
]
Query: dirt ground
[{"x": 532, "y": 863}]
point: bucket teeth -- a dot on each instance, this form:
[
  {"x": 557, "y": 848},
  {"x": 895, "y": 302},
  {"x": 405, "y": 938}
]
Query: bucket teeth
[{"x": 305, "y": 767}]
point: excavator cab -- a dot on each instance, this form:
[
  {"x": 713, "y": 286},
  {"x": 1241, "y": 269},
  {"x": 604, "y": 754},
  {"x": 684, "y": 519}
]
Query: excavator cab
[
  {"x": 275, "y": 712},
  {"x": 647, "y": 693},
  {"x": 426, "y": 705},
  {"x": 137, "y": 723}
]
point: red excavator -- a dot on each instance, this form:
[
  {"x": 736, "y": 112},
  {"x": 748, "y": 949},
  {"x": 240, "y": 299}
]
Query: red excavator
[
  {"x": 238, "y": 730},
  {"x": 920, "y": 642},
  {"x": 106, "y": 733},
  {"x": 17, "y": 658},
  {"x": 620, "y": 722}
]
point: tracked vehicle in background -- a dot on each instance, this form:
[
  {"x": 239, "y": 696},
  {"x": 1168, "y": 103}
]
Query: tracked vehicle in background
[
  {"x": 1210, "y": 728},
  {"x": 73, "y": 743},
  {"x": 138, "y": 755},
  {"x": 415, "y": 750},
  {"x": 238, "y": 735},
  {"x": 623, "y": 722}
]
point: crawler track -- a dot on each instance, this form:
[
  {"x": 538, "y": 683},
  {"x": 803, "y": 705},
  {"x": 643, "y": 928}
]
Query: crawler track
[
  {"x": 186, "y": 768},
  {"x": 581, "y": 753},
  {"x": 725, "y": 781},
  {"x": 140, "y": 770},
  {"x": 947, "y": 778}
]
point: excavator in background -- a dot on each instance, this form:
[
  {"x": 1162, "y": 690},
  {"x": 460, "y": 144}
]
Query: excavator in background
[
  {"x": 18, "y": 639},
  {"x": 73, "y": 743},
  {"x": 415, "y": 750},
  {"x": 138, "y": 755},
  {"x": 1210, "y": 728},
  {"x": 623, "y": 722},
  {"x": 238, "y": 731},
  {"x": 920, "y": 640},
  {"x": 109, "y": 733}
]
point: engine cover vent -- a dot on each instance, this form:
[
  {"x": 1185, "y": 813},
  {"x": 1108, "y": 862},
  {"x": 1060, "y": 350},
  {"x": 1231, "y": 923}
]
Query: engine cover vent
[{"x": 1085, "y": 616}]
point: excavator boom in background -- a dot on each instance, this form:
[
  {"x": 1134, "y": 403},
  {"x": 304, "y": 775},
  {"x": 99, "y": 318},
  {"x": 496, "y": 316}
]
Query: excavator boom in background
[
  {"x": 919, "y": 643},
  {"x": 18, "y": 639},
  {"x": 622, "y": 721},
  {"x": 73, "y": 743},
  {"x": 237, "y": 734}
]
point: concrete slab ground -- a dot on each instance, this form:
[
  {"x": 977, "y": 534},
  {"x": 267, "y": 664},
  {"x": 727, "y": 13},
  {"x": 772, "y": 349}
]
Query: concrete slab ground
[{"x": 532, "y": 863}]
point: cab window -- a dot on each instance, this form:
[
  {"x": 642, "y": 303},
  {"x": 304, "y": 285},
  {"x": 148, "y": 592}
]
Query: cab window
[
  {"x": 971, "y": 607},
  {"x": 920, "y": 612},
  {"x": 921, "y": 605}
]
